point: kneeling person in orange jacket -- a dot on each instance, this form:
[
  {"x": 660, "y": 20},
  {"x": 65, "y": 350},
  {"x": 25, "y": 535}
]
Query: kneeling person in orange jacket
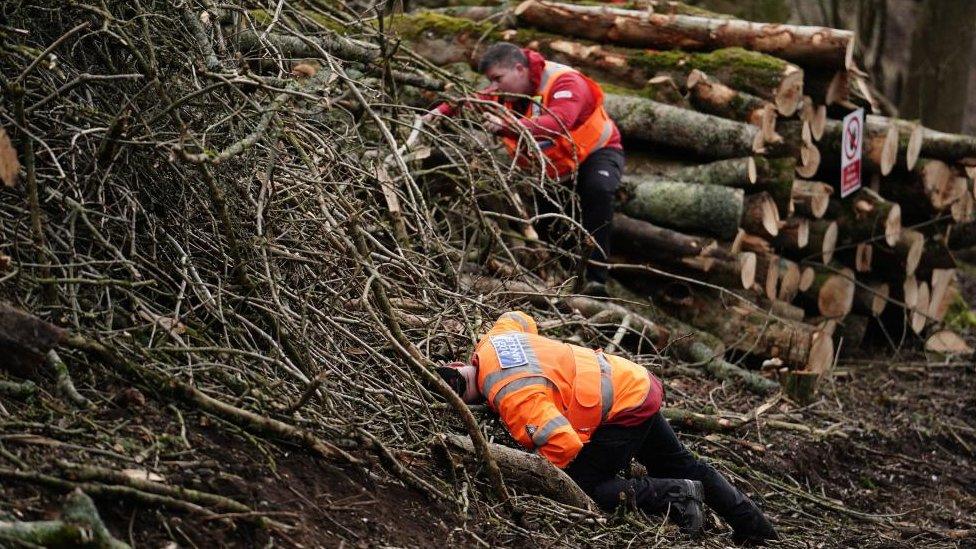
[{"x": 589, "y": 413}]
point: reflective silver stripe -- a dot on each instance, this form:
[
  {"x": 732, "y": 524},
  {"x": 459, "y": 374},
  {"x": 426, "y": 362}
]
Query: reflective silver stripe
[
  {"x": 606, "y": 384},
  {"x": 604, "y": 136},
  {"x": 542, "y": 435},
  {"x": 551, "y": 69},
  {"x": 519, "y": 384},
  {"x": 517, "y": 318},
  {"x": 531, "y": 367}
]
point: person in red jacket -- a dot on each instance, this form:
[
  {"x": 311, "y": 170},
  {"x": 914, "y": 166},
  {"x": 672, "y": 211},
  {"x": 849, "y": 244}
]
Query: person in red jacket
[
  {"x": 589, "y": 413},
  {"x": 563, "y": 112}
]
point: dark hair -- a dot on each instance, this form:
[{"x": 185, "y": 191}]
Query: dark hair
[{"x": 504, "y": 54}]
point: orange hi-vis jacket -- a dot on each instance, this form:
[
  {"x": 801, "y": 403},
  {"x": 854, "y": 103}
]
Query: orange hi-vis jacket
[
  {"x": 565, "y": 152},
  {"x": 553, "y": 395}
]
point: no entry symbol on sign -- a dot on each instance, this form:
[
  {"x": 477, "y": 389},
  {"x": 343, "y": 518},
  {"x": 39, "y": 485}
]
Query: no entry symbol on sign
[{"x": 851, "y": 147}]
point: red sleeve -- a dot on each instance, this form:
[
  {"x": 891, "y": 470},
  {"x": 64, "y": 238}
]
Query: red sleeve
[{"x": 571, "y": 102}]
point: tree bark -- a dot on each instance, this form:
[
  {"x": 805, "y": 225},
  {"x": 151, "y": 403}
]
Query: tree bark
[
  {"x": 871, "y": 298},
  {"x": 713, "y": 97},
  {"x": 817, "y": 46},
  {"x": 794, "y": 235},
  {"x": 938, "y": 75},
  {"x": 701, "y": 134},
  {"x": 686, "y": 206},
  {"x": 532, "y": 472},
  {"x": 893, "y": 263},
  {"x": 831, "y": 294},
  {"x": 865, "y": 215},
  {"x": 879, "y": 152},
  {"x": 927, "y": 190},
  {"x": 644, "y": 240},
  {"x": 760, "y": 215},
  {"x": 811, "y": 198},
  {"x": 693, "y": 345},
  {"x": 732, "y": 172},
  {"x": 744, "y": 327}
]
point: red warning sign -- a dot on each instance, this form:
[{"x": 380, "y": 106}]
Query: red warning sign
[{"x": 850, "y": 154}]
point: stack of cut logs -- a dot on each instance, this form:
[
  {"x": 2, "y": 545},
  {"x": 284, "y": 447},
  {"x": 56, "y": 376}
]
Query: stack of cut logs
[{"x": 742, "y": 121}]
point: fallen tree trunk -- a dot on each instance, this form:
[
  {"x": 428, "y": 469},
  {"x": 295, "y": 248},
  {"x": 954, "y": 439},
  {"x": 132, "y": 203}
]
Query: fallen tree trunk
[
  {"x": 831, "y": 293},
  {"x": 949, "y": 147},
  {"x": 817, "y": 46},
  {"x": 794, "y": 235},
  {"x": 701, "y": 134},
  {"x": 760, "y": 215},
  {"x": 731, "y": 172},
  {"x": 896, "y": 262},
  {"x": 879, "y": 148},
  {"x": 644, "y": 240},
  {"x": 686, "y": 206},
  {"x": 926, "y": 191},
  {"x": 713, "y": 97},
  {"x": 693, "y": 345},
  {"x": 811, "y": 198},
  {"x": 871, "y": 298},
  {"x": 531, "y": 472},
  {"x": 790, "y": 278},
  {"x": 744, "y": 327},
  {"x": 864, "y": 216}
]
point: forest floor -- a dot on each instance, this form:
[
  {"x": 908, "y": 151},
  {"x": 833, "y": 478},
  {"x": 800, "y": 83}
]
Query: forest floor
[{"x": 897, "y": 470}]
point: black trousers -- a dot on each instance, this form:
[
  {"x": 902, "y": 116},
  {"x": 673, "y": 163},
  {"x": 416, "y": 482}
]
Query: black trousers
[
  {"x": 596, "y": 183},
  {"x": 655, "y": 446}
]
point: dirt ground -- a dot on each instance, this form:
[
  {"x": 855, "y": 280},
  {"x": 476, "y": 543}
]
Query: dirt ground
[{"x": 900, "y": 475}]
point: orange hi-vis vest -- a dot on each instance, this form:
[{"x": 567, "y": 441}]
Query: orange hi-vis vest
[
  {"x": 563, "y": 153},
  {"x": 553, "y": 395}
]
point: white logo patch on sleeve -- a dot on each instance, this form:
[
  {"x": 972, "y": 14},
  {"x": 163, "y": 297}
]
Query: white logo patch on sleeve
[
  {"x": 509, "y": 350},
  {"x": 562, "y": 94}
]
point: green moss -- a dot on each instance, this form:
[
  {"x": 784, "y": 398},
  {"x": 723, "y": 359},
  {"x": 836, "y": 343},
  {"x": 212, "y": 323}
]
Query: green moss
[
  {"x": 737, "y": 67},
  {"x": 959, "y": 316},
  {"x": 412, "y": 26}
]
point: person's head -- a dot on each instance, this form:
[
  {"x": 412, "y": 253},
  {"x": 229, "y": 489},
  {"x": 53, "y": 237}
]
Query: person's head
[
  {"x": 507, "y": 68},
  {"x": 463, "y": 378}
]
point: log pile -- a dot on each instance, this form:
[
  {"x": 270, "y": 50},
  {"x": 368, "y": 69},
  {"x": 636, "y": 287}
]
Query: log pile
[{"x": 742, "y": 124}]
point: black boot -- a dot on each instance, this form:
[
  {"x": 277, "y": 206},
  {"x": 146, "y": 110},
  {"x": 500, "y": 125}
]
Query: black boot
[
  {"x": 752, "y": 528},
  {"x": 681, "y": 500}
]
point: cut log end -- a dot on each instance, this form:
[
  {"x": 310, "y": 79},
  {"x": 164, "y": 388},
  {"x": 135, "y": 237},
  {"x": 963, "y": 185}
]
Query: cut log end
[
  {"x": 819, "y": 122},
  {"x": 836, "y": 296},
  {"x": 829, "y": 242},
  {"x": 918, "y": 317},
  {"x": 807, "y": 277},
  {"x": 889, "y": 150},
  {"x": 947, "y": 342},
  {"x": 821, "y": 352},
  {"x": 914, "y": 148},
  {"x": 789, "y": 93},
  {"x": 809, "y": 160},
  {"x": 914, "y": 241},
  {"x": 909, "y": 292},
  {"x": 752, "y": 170},
  {"x": 747, "y": 268},
  {"x": 872, "y": 298},
  {"x": 893, "y": 225}
]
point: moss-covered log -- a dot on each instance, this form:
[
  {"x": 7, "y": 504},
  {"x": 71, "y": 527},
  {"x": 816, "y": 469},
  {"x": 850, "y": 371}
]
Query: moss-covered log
[
  {"x": 700, "y": 134},
  {"x": 685, "y": 206},
  {"x": 713, "y": 97},
  {"x": 731, "y": 172}
]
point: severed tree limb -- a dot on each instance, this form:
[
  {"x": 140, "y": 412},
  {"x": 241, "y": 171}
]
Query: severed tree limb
[
  {"x": 79, "y": 526},
  {"x": 65, "y": 385},
  {"x": 530, "y": 471}
]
